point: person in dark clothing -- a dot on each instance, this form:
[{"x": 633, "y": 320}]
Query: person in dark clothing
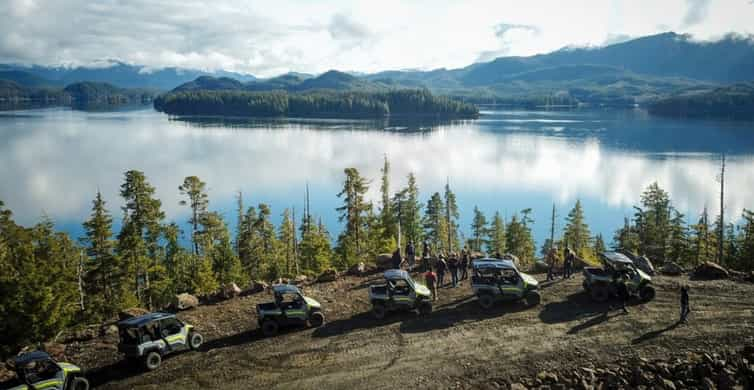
[
  {"x": 568, "y": 264},
  {"x": 498, "y": 256},
  {"x": 552, "y": 260},
  {"x": 442, "y": 266},
  {"x": 684, "y": 305},
  {"x": 453, "y": 267},
  {"x": 620, "y": 278},
  {"x": 397, "y": 260},
  {"x": 426, "y": 255},
  {"x": 410, "y": 255},
  {"x": 464, "y": 265}
]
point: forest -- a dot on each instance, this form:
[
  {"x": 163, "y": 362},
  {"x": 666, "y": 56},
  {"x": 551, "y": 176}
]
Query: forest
[
  {"x": 323, "y": 104},
  {"x": 51, "y": 280},
  {"x": 731, "y": 102}
]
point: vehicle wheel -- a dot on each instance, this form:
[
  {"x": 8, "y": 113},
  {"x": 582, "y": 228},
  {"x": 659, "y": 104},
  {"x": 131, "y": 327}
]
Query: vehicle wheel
[
  {"x": 599, "y": 293},
  {"x": 317, "y": 319},
  {"x": 586, "y": 286},
  {"x": 270, "y": 328},
  {"x": 647, "y": 293},
  {"x": 486, "y": 301},
  {"x": 195, "y": 340},
  {"x": 152, "y": 361},
  {"x": 425, "y": 308},
  {"x": 533, "y": 298},
  {"x": 379, "y": 311},
  {"x": 79, "y": 383}
]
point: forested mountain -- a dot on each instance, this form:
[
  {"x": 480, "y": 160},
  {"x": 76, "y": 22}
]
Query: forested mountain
[
  {"x": 733, "y": 102},
  {"x": 637, "y": 71},
  {"x": 121, "y": 75}
]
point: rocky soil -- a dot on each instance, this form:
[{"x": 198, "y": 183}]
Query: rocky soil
[{"x": 566, "y": 342}]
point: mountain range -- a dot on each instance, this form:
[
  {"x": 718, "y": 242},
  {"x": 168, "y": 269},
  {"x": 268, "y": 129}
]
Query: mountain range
[{"x": 634, "y": 71}]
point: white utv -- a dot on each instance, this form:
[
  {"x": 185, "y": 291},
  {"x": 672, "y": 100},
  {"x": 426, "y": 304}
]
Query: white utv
[
  {"x": 399, "y": 292},
  {"x": 150, "y": 337},
  {"x": 495, "y": 280},
  {"x": 290, "y": 308},
  {"x": 600, "y": 283}
]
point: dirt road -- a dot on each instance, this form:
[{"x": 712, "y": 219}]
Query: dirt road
[{"x": 458, "y": 345}]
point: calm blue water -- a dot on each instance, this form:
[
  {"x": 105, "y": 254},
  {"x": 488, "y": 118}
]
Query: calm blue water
[{"x": 52, "y": 161}]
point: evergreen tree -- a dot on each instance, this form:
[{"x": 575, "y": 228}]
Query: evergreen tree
[
  {"x": 679, "y": 248},
  {"x": 478, "y": 230},
  {"x": 745, "y": 252},
  {"x": 652, "y": 221},
  {"x": 435, "y": 226},
  {"x": 406, "y": 205},
  {"x": 703, "y": 239},
  {"x": 387, "y": 214},
  {"x": 451, "y": 219},
  {"x": 138, "y": 241},
  {"x": 179, "y": 263},
  {"x": 599, "y": 244},
  {"x": 352, "y": 241},
  {"x": 315, "y": 249},
  {"x": 204, "y": 281},
  {"x": 496, "y": 235},
  {"x": 626, "y": 239},
  {"x": 519, "y": 240},
  {"x": 286, "y": 237},
  {"x": 577, "y": 235},
  {"x": 267, "y": 250},
  {"x": 195, "y": 190},
  {"x": 105, "y": 285}
]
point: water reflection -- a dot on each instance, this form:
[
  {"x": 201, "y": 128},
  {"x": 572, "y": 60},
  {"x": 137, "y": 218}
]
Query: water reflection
[{"x": 53, "y": 161}]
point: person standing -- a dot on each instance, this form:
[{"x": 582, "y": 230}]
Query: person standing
[
  {"x": 453, "y": 266},
  {"x": 410, "y": 255},
  {"x": 426, "y": 255},
  {"x": 442, "y": 266},
  {"x": 431, "y": 280},
  {"x": 397, "y": 260},
  {"x": 684, "y": 305},
  {"x": 552, "y": 259},
  {"x": 620, "y": 277},
  {"x": 464, "y": 266},
  {"x": 568, "y": 264}
]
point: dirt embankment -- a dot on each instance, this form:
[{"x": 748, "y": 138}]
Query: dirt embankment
[{"x": 458, "y": 346}]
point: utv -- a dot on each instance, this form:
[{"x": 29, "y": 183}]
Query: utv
[
  {"x": 151, "y": 336},
  {"x": 399, "y": 292},
  {"x": 600, "y": 283},
  {"x": 496, "y": 280},
  {"x": 291, "y": 308},
  {"x": 38, "y": 370}
]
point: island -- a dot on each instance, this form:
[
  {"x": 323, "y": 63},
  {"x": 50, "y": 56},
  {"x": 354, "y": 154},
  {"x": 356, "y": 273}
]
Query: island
[
  {"x": 320, "y": 104},
  {"x": 731, "y": 102}
]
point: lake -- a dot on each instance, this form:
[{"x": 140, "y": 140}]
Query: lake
[{"x": 52, "y": 162}]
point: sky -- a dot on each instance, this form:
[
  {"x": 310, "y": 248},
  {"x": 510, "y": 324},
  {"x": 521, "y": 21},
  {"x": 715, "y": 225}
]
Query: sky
[{"x": 267, "y": 38}]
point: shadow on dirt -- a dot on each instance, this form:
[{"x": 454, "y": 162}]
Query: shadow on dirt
[
  {"x": 246, "y": 337},
  {"x": 653, "y": 334},
  {"x": 580, "y": 306},
  {"x": 120, "y": 370},
  {"x": 359, "y": 321},
  {"x": 468, "y": 310}
]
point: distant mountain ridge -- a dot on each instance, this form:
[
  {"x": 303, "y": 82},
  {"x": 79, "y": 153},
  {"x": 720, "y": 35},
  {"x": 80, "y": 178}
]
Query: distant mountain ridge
[{"x": 634, "y": 71}]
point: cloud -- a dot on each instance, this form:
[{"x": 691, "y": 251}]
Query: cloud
[
  {"x": 613, "y": 39},
  {"x": 503, "y": 28},
  {"x": 696, "y": 12}
]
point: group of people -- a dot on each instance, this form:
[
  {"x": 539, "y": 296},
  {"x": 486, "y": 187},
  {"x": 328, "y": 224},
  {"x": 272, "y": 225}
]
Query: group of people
[{"x": 553, "y": 259}]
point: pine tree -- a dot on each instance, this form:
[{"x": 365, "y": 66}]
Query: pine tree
[
  {"x": 745, "y": 252},
  {"x": 626, "y": 239},
  {"x": 703, "y": 240},
  {"x": 451, "y": 219},
  {"x": 179, "y": 263},
  {"x": 286, "y": 237},
  {"x": 577, "y": 235},
  {"x": 519, "y": 240},
  {"x": 138, "y": 241},
  {"x": 195, "y": 190},
  {"x": 387, "y": 214},
  {"x": 267, "y": 251},
  {"x": 406, "y": 205},
  {"x": 599, "y": 244},
  {"x": 496, "y": 235},
  {"x": 679, "y": 248},
  {"x": 352, "y": 241},
  {"x": 652, "y": 221},
  {"x": 478, "y": 230},
  {"x": 315, "y": 249},
  {"x": 205, "y": 282},
  {"x": 435, "y": 226},
  {"x": 105, "y": 285}
]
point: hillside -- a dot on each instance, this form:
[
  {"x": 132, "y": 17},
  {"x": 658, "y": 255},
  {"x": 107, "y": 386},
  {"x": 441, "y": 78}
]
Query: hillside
[
  {"x": 457, "y": 346},
  {"x": 732, "y": 102}
]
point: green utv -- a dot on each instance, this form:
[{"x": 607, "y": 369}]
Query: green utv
[
  {"x": 290, "y": 308},
  {"x": 497, "y": 280},
  {"x": 150, "y": 337},
  {"x": 399, "y": 292},
  {"x": 600, "y": 282},
  {"x": 38, "y": 370}
]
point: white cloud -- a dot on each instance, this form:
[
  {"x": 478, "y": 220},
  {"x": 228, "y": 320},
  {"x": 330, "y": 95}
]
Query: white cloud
[{"x": 271, "y": 37}]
